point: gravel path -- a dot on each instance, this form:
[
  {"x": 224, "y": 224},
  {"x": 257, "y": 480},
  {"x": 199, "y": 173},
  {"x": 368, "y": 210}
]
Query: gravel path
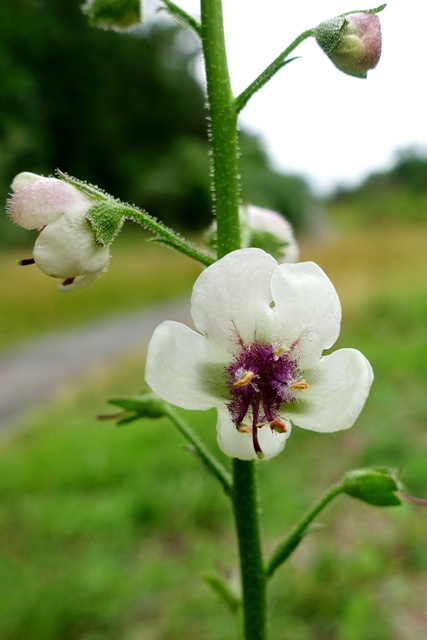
[{"x": 30, "y": 374}]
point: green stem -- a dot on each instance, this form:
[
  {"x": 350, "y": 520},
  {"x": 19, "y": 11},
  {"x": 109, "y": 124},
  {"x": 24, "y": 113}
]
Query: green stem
[
  {"x": 291, "y": 542},
  {"x": 222, "y": 128},
  {"x": 224, "y": 146},
  {"x": 202, "y": 452},
  {"x": 245, "y": 502},
  {"x": 166, "y": 235},
  {"x": 103, "y": 200},
  {"x": 269, "y": 72}
]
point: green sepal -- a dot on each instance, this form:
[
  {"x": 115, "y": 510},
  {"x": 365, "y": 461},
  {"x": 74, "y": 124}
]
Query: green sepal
[
  {"x": 376, "y": 10},
  {"x": 268, "y": 242},
  {"x": 145, "y": 405},
  {"x": 226, "y": 590},
  {"x": 113, "y": 14},
  {"x": 88, "y": 189},
  {"x": 328, "y": 33},
  {"x": 106, "y": 220},
  {"x": 373, "y": 485}
]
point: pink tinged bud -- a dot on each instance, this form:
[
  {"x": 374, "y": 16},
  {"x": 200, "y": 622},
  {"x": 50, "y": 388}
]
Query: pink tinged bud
[
  {"x": 66, "y": 247},
  {"x": 38, "y": 201},
  {"x": 270, "y": 231},
  {"x": 352, "y": 42}
]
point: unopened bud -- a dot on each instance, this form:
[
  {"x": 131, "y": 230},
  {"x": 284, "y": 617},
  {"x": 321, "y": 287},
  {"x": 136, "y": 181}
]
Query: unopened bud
[
  {"x": 352, "y": 42},
  {"x": 374, "y": 485}
]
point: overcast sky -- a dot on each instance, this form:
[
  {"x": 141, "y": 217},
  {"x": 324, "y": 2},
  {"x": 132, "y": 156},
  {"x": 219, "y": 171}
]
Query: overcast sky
[{"x": 314, "y": 120}]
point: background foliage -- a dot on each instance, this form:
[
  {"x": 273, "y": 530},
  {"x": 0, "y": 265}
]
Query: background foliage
[{"x": 121, "y": 111}]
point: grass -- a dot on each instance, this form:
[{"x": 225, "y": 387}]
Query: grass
[
  {"x": 140, "y": 273},
  {"x": 107, "y": 533}
]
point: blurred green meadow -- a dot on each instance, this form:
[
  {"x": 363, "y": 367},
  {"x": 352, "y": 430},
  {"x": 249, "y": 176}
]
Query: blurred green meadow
[{"x": 109, "y": 532}]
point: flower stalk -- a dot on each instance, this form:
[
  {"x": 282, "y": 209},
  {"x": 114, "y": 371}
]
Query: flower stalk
[
  {"x": 277, "y": 64},
  {"x": 222, "y": 128},
  {"x": 245, "y": 504},
  {"x": 290, "y": 543},
  {"x": 226, "y": 189}
]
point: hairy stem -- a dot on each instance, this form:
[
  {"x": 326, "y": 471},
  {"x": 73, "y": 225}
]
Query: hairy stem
[
  {"x": 222, "y": 128},
  {"x": 245, "y": 502},
  {"x": 226, "y": 189}
]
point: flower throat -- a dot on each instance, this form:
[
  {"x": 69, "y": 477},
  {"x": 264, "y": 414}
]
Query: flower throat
[{"x": 260, "y": 379}]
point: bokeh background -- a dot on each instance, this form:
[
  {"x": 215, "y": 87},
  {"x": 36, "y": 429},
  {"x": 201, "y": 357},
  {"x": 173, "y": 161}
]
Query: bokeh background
[{"x": 108, "y": 533}]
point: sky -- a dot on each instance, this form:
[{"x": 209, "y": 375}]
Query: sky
[{"x": 314, "y": 120}]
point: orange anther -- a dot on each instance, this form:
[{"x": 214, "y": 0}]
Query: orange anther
[
  {"x": 243, "y": 428},
  {"x": 278, "y": 425},
  {"x": 244, "y": 380},
  {"x": 299, "y": 385}
]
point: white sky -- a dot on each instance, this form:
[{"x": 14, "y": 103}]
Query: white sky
[{"x": 314, "y": 120}]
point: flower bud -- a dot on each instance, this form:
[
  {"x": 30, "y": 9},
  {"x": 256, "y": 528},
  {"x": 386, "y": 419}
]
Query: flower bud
[
  {"x": 352, "y": 42},
  {"x": 66, "y": 247},
  {"x": 265, "y": 230},
  {"x": 114, "y": 14},
  {"x": 145, "y": 405},
  {"x": 374, "y": 485},
  {"x": 269, "y": 231}
]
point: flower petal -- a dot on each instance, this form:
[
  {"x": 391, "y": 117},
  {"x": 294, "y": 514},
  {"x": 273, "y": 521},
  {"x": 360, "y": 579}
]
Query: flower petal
[
  {"x": 231, "y": 298},
  {"x": 66, "y": 248},
  {"x": 38, "y": 202},
  {"x": 23, "y": 179},
  {"x": 307, "y": 307},
  {"x": 184, "y": 368},
  {"x": 79, "y": 282},
  {"x": 239, "y": 445},
  {"x": 337, "y": 391}
]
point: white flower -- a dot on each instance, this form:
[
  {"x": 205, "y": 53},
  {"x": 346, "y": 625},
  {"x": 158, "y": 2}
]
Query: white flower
[
  {"x": 263, "y": 224},
  {"x": 258, "y": 355},
  {"x": 65, "y": 247}
]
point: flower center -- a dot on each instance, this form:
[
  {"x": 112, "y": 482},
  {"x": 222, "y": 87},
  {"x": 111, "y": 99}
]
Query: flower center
[{"x": 260, "y": 380}]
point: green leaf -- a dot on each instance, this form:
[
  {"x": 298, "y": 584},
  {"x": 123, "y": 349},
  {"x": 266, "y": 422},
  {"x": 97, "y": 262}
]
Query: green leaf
[{"x": 228, "y": 592}]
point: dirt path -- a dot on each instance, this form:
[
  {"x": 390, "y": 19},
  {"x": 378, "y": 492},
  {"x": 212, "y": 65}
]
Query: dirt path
[{"x": 30, "y": 374}]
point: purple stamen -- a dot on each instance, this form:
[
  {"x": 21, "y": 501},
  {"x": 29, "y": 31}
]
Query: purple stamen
[
  {"x": 260, "y": 380},
  {"x": 26, "y": 261}
]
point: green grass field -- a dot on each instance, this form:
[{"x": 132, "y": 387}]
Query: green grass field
[{"x": 107, "y": 533}]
